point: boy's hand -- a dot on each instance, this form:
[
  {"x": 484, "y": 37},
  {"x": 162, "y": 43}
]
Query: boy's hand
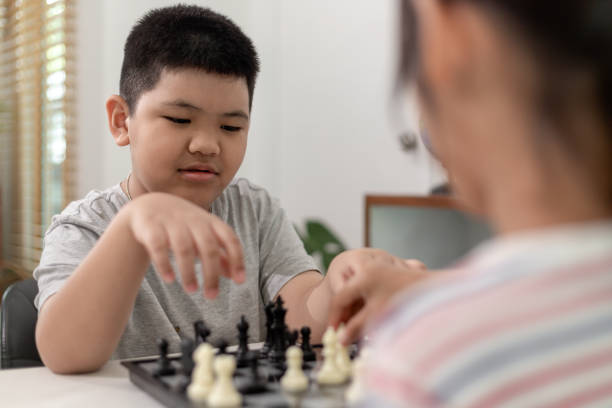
[
  {"x": 371, "y": 278},
  {"x": 162, "y": 223}
]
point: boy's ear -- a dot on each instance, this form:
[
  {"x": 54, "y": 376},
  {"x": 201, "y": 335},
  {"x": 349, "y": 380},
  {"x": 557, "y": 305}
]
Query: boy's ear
[{"x": 118, "y": 113}]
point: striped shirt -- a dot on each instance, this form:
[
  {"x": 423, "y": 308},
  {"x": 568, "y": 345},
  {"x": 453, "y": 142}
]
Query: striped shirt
[{"x": 523, "y": 321}]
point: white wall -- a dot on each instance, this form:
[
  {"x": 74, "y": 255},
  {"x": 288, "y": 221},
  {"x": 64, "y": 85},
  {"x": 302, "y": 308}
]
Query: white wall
[{"x": 321, "y": 135}]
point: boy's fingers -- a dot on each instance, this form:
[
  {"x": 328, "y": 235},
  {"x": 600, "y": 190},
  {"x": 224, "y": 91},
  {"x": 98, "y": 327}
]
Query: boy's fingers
[
  {"x": 211, "y": 284},
  {"x": 224, "y": 268},
  {"x": 155, "y": 241},
  {"x": 209, "y": 251},
  {"x": 231, "y": 245},
  {"x": 184, "y": 253}
]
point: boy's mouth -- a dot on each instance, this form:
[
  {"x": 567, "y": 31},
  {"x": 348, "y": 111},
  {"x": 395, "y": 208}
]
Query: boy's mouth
[
  {"x": 202, "y": 168},
  {"x": 199, "y": 172}
]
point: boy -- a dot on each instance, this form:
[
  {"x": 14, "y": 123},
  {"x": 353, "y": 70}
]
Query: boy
[{"x": 117, "y": 272}]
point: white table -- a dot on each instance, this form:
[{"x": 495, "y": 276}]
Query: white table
[
  {"x": 39, "y": 387},
  {"x": 108, "y": 387}
]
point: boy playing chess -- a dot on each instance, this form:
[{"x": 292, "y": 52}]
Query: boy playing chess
[{"x": 127, "y": 266}]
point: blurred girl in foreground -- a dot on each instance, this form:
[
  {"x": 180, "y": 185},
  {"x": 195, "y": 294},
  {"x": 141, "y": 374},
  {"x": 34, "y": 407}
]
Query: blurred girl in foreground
[{"x": 517, "y": 98}]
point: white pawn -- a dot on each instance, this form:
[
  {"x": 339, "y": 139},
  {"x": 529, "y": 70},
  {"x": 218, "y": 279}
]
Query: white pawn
[
  {"x": 294, "y": 380},
  {"x": 223, "y": 393},
  {"x": 329, "y": 374},
  {"x": 343, "y": 360},
  {"x": 202, "y": 379},
  {"x": 355, "y": 392}
]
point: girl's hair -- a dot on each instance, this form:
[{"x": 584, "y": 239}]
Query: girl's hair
[{"x": 569, "y": 40}]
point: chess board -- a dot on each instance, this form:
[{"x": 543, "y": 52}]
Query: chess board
[{"x": 170, "y": 389}]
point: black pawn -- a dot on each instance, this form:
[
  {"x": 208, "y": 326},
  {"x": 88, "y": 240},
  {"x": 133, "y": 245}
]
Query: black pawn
[
  {"x": 269, "y": 319},
  {"x": 163, "y": 364},
  {"x": 307, "y": 352},
  {"x": 242, "y": 355},
  {"x": 201, "y": 332}
]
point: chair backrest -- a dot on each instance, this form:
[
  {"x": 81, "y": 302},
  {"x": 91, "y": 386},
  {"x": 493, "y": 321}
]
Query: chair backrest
[
  {"x": 433, "y": 229},
  {"x": 18, "y": 317}
]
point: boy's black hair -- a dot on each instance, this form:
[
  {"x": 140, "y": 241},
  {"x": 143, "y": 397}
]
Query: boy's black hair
[{"x": 184, "y": 36}]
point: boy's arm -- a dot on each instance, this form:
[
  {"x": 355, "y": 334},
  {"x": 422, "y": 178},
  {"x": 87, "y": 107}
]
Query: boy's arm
[
  {"x": 80, "y": 326},
  {"x": 308, "y": 297}
]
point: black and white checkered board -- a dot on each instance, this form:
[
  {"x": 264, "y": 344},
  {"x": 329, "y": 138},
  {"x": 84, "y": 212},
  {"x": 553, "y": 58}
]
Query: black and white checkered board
[{"x": 168, "y": 390}]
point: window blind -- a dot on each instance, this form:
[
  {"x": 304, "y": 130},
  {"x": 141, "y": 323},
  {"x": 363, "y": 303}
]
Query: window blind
[{"x": 37, "y": 140}]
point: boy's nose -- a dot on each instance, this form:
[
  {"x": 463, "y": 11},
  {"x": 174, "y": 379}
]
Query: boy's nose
[{"x": 205, "y": 144}]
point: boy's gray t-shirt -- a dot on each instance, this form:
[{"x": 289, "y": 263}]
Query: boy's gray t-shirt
[{"x": 273, "y": 254}]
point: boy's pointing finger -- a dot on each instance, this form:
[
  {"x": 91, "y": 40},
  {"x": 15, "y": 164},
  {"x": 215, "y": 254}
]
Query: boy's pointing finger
[{"x": 233, "y": 248}]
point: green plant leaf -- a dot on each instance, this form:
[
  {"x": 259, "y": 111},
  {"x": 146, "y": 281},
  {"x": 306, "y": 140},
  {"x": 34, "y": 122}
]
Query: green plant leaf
[{"x": 319, "y": 240}]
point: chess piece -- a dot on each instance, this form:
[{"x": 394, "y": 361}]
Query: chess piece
[
  {"x": 356, "y": 391},
  {"x": 269, "y": 318},
  {"x": 187, "y": 347},
  {"x": 294, "y": 380},
  {"x": 242, "y": 355},
  {"x": 329, "y": 374},
  {"x": 279, "y": 329},
  {"x": 222, "y": 347},
  {"x": 203, "y": 379},
  {"x": 307, "y": 351},
  {"x": 201, "y": 332},
  {"x": 343, "y": 360},
  {"x": 223, "y": 394},
  {"x": 163, "y": 364},
  {"x": 292, "y": 337}
]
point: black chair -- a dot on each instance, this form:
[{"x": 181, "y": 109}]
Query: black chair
[{"x": 18, "y": 317}]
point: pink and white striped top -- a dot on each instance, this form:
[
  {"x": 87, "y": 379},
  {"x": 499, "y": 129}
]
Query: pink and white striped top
[{"x": 523, "y": 321}]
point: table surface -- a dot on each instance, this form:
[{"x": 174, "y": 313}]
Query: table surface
[{"x": 39, "y": 387}]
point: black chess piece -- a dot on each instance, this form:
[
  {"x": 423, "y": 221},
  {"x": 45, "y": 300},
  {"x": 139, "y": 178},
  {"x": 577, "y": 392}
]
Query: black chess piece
[
  {"x": 187, "y": 363},
  {"x": 222, "y": 347},
  {"x": 201, "y": 332},
  {"x": 279, "y": 330},
  {"x": 292, "y": 337},
  {"x": 308, "y": 353},
  {"x": 255, "y": 383},
  {"x": 269, "y": 318},
  {"x": 242, "y": 355},
  {"x": 163, "y": 363}
]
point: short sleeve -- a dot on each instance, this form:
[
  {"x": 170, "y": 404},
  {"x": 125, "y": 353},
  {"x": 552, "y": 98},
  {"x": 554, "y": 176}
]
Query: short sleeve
[
  {"x": 65, "y": 245},
  {"x": 282, "y": 253}
]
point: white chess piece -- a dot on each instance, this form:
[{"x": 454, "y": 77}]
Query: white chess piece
[
  {"x": 223, "y": 394},
  {"x": 355, "y": 392},
  {"x": 343, "y": 360},
  {"x": 202, "y": 379},
  {"x": 294, "y": 380},
  {"x": 329, "y": 374}
]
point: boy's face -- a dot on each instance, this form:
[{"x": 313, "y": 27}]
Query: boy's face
[{"x": 188, "y": 135}]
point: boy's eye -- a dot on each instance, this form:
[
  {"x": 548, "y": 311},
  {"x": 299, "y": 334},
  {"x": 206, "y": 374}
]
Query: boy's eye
[
  {"x": 230, "y": 128},
  {"x": 177, "y": 120}
]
